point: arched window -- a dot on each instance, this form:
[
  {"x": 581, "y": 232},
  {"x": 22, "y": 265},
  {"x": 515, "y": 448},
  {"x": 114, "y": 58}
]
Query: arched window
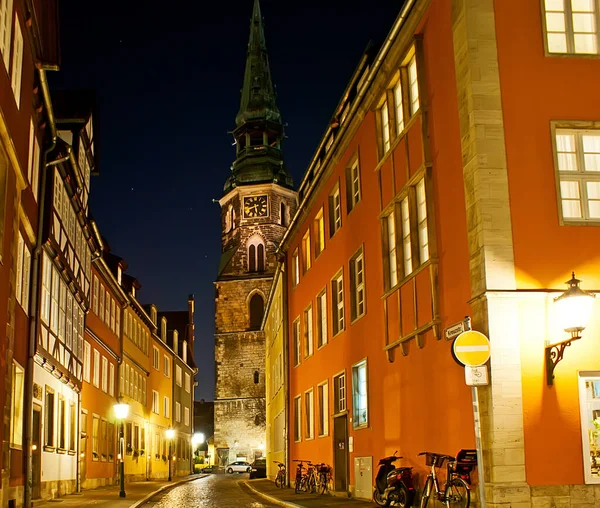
[
  {"x": 282, "y": 211},
  {"x": 252, "y": 258},
  {"x": 257, "y": 309},
  {"x": 256, "y": 377},
  {"x": 256, "y": 254},
  {"x": 260, "y": 257}
]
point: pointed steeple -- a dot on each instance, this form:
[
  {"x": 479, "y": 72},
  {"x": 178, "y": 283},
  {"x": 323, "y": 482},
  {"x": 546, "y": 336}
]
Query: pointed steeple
[
  {"x": 259, "y": 130},
  {"x": 258, "y": 94}
]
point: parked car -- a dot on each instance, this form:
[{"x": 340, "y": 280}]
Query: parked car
[
  {"x": 259, "y": 469},
  {"x": 238, "y": 467}
]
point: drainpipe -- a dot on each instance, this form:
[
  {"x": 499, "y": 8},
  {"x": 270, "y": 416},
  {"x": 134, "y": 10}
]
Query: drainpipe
[
  {"x": 35, "y": 272},
  {"x": 286, "y": 373}
]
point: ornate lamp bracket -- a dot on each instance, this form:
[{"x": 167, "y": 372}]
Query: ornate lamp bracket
[{"x": 554, "y": 354}]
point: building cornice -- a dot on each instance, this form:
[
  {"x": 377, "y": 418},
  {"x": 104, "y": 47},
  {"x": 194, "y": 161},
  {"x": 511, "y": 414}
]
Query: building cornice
[{"x": 103, "y": 344}]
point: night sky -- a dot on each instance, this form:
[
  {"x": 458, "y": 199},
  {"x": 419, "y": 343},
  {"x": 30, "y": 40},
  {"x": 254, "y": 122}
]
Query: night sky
[{"x": 168, "y": 77}]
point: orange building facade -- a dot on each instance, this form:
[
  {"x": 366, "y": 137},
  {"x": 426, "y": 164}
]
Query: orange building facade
[{"x": 458, "y": 177}]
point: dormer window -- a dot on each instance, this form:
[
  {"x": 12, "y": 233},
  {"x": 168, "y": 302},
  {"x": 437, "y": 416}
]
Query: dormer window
[
  {"x": 163, "y": 329},
  {"x": 133, "y": 291},
  {"x": 184, "y": 351},
  {"x": 119, "y": 275},
  {"x": 176, "y": 341}
]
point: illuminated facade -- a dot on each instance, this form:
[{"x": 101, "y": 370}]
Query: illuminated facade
[{"x": 430, "y": 199}]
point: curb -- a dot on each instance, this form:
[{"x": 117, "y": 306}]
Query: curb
[
  {"x": 140, "y": 502},
  {"x": 272, "y": 499}
]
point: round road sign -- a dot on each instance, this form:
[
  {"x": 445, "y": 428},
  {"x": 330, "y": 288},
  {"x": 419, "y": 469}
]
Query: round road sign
[{"x": 471, "y": 348}]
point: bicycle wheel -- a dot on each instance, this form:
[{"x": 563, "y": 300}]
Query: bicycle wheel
[
  {"x": 323, "y": 483},
  {"x": 427, "y": 492},
  {"x": 298, "y": 484},
  {"x": 458, "y": 494},
  {"x": 279, "y": 480}
]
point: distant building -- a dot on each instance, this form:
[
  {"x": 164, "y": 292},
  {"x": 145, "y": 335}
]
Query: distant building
[
  {"x": 204, "y": 420},
  {"x": 256, "y": 207}
]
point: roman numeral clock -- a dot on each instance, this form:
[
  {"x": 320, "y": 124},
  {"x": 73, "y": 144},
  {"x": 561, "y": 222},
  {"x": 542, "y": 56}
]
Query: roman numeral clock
[{"x": 255, "y": 206}]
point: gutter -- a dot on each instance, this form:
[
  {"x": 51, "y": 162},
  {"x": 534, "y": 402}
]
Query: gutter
[
  {"x": 33, "y": 311},
  {"x": 378, "y": 62}
]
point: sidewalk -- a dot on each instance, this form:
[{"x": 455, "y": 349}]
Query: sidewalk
[
  {"x": 287, "y": 497},
  {"x": 136, "y": 494}
]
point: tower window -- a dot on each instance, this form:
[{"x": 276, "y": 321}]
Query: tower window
[
  {"x": 256, "y": 254},
  {"x": 257, "y": 309},
  {"x": 260, "y": 255},
  {"x": 256, "y": 376},
  {"x": 256, "y": 139},
  {"x": 252, "y": 258},
  {"x": 282, "y": 212}
]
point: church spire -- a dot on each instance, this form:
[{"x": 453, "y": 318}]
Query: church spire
[
  {"x": 258, "y": 94},
  {"x": 259, "y": 130}
]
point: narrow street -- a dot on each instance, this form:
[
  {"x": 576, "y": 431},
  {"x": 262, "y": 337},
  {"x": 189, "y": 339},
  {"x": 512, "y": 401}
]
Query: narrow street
[{"x": 217, "y": 490}]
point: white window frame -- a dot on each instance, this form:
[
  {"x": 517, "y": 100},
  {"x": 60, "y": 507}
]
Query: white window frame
[
  {"x": 309, "y": 345},
  {"x": 23, "y": 273},
  {"x": 323, "y": 395},
  {"x": 399, "y": 107},
  {"x": 422, "y": 227},
  {"x": 297, "y": 418},
  {"x": 335, "y": 211},
  {"x": 392, "y": 245},
  {"x": 96, "y": 380},
  {"x": 17, "y": 62},
  {"x": 354, "y": 185},
  {"x": 359, "y": 297},
  {"x": 413, "y": 84},
  {"x": 406, "y": 237},
  {"x": 111, "y": 381},
  {"x": 384, "y": 123},
  {"x": 166, "y": 366},
  {"x": 87, "y": 353},
  {"x": 186, "y": 416},
  {"x": 553, "y": 11},
  {"x": 319, "y": 230},
  {"x": 178, "y": 375},
  {"x": 188, "y": 382},
  {"x": 337, "y": 296},
  {"x": 309, "y": 409},
  {"x": 339, "y": 392},
  {"x": 297, "y": 341},
  {"x": 177, "y": 412},
  {"x": 306, "y": 253},
  {"x": 155, "y": 358},
  {"x": 104, "y": 374},
  {"x": 6, "y": 17},
  {"x": 166, "y": 406},
  {"x": 357, "y": 394},
  {"x": 587, "y": 404},
  {"x": 579, "y": 175},
  {"x": 322, "y": 333},
  {"x": 295, "y": 268},
  {"x": 155, "y": 402}
]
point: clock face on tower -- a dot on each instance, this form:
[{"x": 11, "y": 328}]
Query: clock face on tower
[{"x": 255, "y": 206}]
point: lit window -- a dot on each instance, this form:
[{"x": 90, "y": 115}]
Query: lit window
[
  {"x": 384, "y": 120},
  {"x": 359, "y": 395},
  {"x": 308, "y": 332},
  {"x": 323, "y": 402},
  {"x": 297, "y": 418},
  {"x": 337, "y": 295},
  {"x": 87, "y": 352},
  {"x": 177, "y": 412},
  {"x": 392, "y": 261},
  {"x": 295, "y": 268},
  {"x": 188, "y": 383},
  {"x": 335, "y": 211},
  {"x": 571, "y": 26},
  {"x": 95, "y": 437},
  {"x": 357, "y": 285},
  {"x": 310, "y": 415},
  {"x": 186, "y": 415},
  {"x": 413, "y": 85},
  {"x": 96, "y": 368},
  {"x": 155, "y": 358},
  {"x": 23, "y": 273},
  {"x": 406, "y": 243},
  {"x": 178, "y": 375},
  {"x": 167, "y": 407},
  {"x": 319, "y": 229},
  {"x": 322, "y": 319},
  {"x": 17, "y": 63},
  {"x": 578, "y": 158},
  {"x": 297, "y": 342},
  {"x": 111, "y": 381},
  {"x": 167, "y": 366},
  {"x": 104, "y": 374},
  {"x": 155, "y": 408},
  {"x": 399, "y": 107},
  {"x": 16, "y": 409},
  {"x": 49, "y": 408},
  {"x": 422, "y": 222},
  {"x": 306, "y": 259}
]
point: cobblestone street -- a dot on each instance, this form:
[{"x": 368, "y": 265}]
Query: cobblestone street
[{"x": 217, "y": 490}]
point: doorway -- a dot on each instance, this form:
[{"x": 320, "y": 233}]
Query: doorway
[
  {"x": 82, "y": 460},
  {"x": 36, "y": 453},
  {"x": 340, "y": 453}
]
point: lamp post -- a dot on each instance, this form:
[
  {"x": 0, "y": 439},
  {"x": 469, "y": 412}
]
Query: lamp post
[
  {"x": 170, "y": 433},
  {"x": 574, "y": 308},
  {"x": 121, "y": 412},
  {"x": 197, "y": 439}
]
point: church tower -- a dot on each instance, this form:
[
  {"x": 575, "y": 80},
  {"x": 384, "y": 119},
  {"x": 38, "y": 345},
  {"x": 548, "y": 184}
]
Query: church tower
[{"x": 256, "y": 208}]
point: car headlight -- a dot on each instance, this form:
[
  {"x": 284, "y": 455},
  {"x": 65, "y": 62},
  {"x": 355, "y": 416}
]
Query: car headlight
[{"x": 253, "y": 469}]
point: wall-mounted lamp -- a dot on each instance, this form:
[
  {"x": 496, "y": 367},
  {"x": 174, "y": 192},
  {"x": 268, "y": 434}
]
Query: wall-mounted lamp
[{"x": 574, "y": 307}]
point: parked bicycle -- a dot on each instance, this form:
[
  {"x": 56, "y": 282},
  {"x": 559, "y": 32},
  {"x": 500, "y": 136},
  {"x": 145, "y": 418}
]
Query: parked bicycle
[
  {"x": 456, "y": 490},
  {"x": 301, "y": 476},
  {"x": 325, "y": 478},
  {"x": 280, "y": 478}
]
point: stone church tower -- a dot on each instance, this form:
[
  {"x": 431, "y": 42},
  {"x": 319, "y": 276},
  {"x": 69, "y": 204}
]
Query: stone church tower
[{"x": 256, "y": 207}]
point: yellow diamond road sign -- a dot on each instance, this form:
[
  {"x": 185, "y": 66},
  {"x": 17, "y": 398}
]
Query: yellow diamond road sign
[{"x": 472, "y": 348}]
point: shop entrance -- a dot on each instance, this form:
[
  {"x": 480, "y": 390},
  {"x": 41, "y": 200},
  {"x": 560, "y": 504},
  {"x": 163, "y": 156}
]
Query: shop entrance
[
  {"x": 36, "y": 454},
  {"x": 340, "y": 453}
]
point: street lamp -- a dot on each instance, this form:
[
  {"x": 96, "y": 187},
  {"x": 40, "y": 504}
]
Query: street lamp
[
  {"x": 170, "y": 433},
  {"x": 121, "y": 412},
  {"x": 574, "y": 308},
  {"x": 197, "y": 439}
]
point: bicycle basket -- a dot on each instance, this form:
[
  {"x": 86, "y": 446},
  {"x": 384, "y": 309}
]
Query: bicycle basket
[
  {"x": 324, "y": 468},
  {"x": 432, "y": 459}
]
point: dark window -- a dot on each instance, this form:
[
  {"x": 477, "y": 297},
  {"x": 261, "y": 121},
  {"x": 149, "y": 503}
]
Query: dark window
[
  {"x": 282, "y": 219},
  {"x": 256, "y": 139},
  {"x": 260, "y": 254},
  {"x": 257, "y": 420},
  {"x": 252, "y": 258},
  {"x": 257, "y": 308},
  {"x": 49, "y": 408},
  {"x": 256, "y": 376}
]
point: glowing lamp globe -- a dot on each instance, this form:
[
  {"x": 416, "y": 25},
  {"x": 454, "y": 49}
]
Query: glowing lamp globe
[
  {"x": 574, "y": 308},
  {"x": 170, "y": 433},
  {"x": 121, "y": 411}
]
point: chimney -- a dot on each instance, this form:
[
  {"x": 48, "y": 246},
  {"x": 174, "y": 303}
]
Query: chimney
[{"x": 191, "y": 308}]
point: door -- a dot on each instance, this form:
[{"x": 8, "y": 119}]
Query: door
[
  {"x": 82, "y": 459},
  {"x": 36, "y": 455},
  {"x": 340, "y": 453}
]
